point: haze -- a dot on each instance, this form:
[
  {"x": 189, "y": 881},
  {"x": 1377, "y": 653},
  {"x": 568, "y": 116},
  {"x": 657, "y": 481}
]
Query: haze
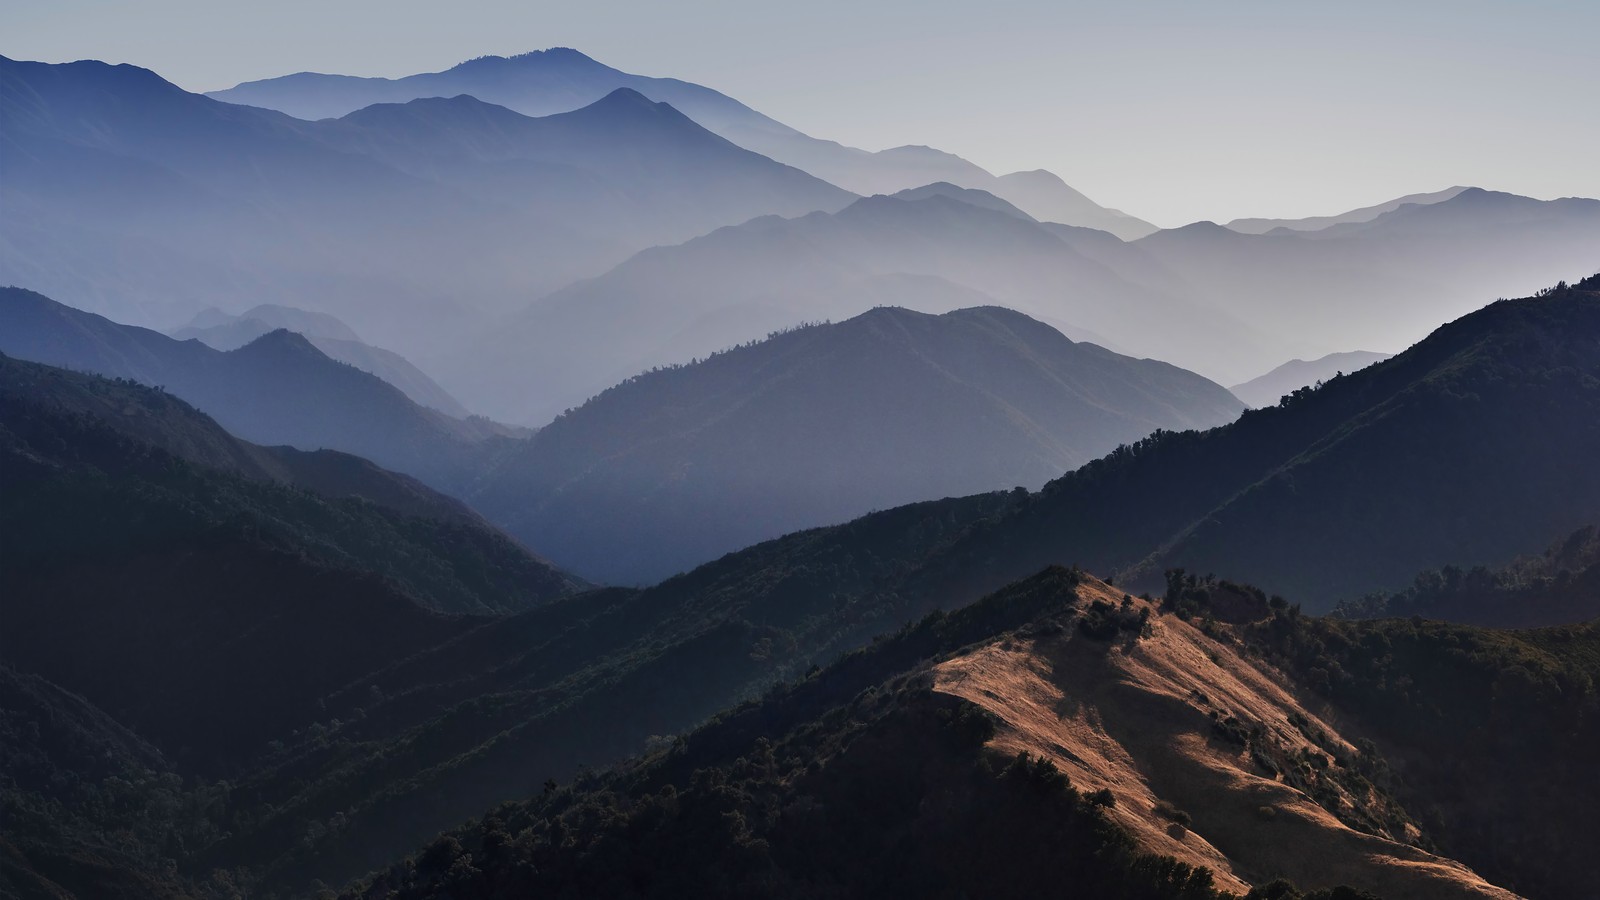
[{"x": 1174, "y": 112}]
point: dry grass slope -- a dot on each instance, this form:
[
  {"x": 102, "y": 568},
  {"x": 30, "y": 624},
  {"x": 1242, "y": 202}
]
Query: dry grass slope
[{"x": 1139, "y": 719}]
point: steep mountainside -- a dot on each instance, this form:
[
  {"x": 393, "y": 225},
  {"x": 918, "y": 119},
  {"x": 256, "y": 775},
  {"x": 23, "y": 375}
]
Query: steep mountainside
[
  {"x": 160, "y": 567},
  {"x": 131, "y": 197},
  {"x": 557, "y": 80},
  {"x": 822, "y": 424},
  {"x": 1352, "y": 487},
  {"x": 1268, "y": 389},
  {"x": 225, "y": 331},
  {"x": 1057, "y": 729},
  {"x": 739, "y": 283},
  {"x": 278, "y": 389}
]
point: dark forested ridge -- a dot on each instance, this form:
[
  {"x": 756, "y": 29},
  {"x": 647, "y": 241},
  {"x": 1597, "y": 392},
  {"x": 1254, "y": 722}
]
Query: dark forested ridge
[
  {"x": 1560, "y": 586},
  {"x": 823, "y": 423},
  {"x": 1472, "y": 447},
  {"x": 858, "y": 780}
]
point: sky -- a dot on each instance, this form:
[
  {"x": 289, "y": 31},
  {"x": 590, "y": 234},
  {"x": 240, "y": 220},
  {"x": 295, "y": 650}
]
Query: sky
[{"x": 1172, "y": 110}]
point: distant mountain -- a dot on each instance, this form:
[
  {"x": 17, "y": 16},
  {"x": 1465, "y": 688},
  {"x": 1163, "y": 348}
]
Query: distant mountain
[
  {"x": 278, "y": 389},
  {"x": 134, "y": 198},
  {"x": 669, "y": 304},
  {"x": 546, "y": 82},
  {"x": 821, "y": 424},
  {"x": 225, "y": 331},
  {"x": 1364, "y": 214},
  {"x": 1386, "y": 281},
  {"x": 636, "y": 171},
  {"x": 1266, "y": 390},
  {"x": 971, "y": 196},
  {"x": 274, "y": 316},
  {"x": 1050, "y": 199}
]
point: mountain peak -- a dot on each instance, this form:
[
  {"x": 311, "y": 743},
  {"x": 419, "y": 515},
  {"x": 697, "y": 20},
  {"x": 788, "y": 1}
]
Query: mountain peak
[{"x": 553, "y": 56}]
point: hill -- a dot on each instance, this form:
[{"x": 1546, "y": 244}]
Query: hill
[
  {"x": 821, "y": 424},
  {"x": 546, "y": 82},
  {"x": 738, "y": 283},
  {"x": 225, "y": 331},
  {"x": 278, "y": 389},
  {"x": 1268, "y": 389}
]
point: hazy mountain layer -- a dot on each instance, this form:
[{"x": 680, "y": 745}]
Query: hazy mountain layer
[
  {"x": 671, "y": 303},
  {"x": 1385, "y": 282},
  {"x": 547, "y": 82},
  {"x": 225, "y": 331},
  {"x": 132, "y": 197},
  {"x": 278, "y": 389},
  {"x": 1364, "y": 214},
  {"x": 1268, "y": 389},
  {"x": 821, "y": 424}
]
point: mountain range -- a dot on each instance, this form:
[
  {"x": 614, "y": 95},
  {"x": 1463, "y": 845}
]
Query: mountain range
[
  {"x": 226, "y": 331},
  {"x": 931, "y": 251},
  {"x": 871, "y": 524},
  {"x": 277, "y": 389},
  {"x": 820, "y": 424},
  {"x": 133, "y": 197},
  {"x": 335, "y": 770},
  {"x": 546, "y": 82},
  {"x": 1265, "y": 390}
]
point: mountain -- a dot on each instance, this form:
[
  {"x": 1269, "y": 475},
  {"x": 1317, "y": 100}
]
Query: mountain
[
  {"x": 158, "y": 566},
  {"x": 278, "y": 389},
  {"x": 1347, "y": 488},
  {"x": 739, "y": 283},
  {"x": 821, "y": 424},
  {"x": 136, "y": 199},
  {"x": 225, "y": 331},
  {"x": 1265, "y": 390},
  {"x": 308, "y": 323},
  {"x": 970, "y": 196},
  {"x": 1050, "y": 199},
  {"x": 1364, "y": 214},
  {"x": 1384, "y": 282},
  {"x": 636, "y": 171},
  {"x": 437, "y": 733},
  {"x": 1060, "y": 730},
  {"x": 546, "y": 82}
]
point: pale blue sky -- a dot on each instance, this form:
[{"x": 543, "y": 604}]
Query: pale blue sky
[{"x": 1173, "y": 110}]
